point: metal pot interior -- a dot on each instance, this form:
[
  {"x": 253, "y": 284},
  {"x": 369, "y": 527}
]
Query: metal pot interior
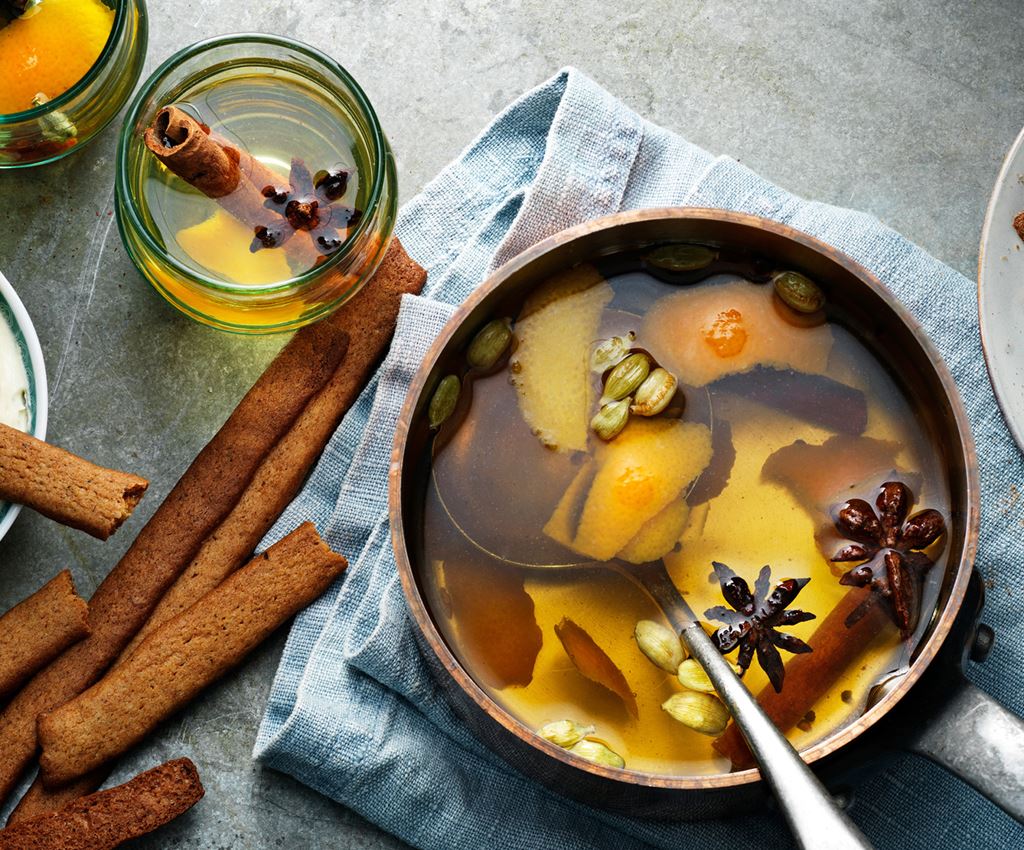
[{"x": 882, "y": 323}]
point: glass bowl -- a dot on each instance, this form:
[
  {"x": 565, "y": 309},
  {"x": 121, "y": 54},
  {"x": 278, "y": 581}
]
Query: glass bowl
[
  {"x": 64, "y": 124},
  {"x": 266, "y": 307}
]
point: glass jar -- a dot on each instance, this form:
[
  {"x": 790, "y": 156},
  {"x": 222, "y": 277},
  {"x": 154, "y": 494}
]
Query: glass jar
[
  {"x": 64, "y": 124},
  {"x": 236, "y": 305}
]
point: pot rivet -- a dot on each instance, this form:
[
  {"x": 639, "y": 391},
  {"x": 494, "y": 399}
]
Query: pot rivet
[{"x": 984, "y": 638}]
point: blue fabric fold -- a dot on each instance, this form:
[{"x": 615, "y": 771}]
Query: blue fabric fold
[{"x": 353, "y": 711}]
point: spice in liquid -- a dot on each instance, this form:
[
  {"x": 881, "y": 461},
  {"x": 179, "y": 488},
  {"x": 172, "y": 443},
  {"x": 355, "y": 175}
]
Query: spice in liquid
[{"x": 294, "y": 133}]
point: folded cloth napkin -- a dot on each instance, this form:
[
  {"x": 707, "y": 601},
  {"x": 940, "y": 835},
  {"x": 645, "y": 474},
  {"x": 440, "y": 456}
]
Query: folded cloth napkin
[{"x": 353, "y": 712}]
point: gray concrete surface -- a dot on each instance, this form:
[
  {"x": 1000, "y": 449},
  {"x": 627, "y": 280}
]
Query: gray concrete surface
[{"x": 902, "y": 108}]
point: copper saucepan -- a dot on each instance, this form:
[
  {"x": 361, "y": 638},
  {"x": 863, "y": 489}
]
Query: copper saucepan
[{"x": 964, "y": 729}]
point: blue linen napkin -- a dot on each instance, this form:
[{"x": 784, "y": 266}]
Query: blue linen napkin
[{"x": 353, "y": 711}]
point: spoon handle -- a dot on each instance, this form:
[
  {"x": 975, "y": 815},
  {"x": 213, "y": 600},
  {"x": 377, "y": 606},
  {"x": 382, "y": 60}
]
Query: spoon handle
[{"x": 813, "y": 816}]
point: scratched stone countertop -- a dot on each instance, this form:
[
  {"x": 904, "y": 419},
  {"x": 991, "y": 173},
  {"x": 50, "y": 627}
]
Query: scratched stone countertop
[{"x": 902, "y": 108}]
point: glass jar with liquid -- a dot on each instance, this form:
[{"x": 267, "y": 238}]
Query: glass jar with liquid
[{"x": 255, "y": 188}]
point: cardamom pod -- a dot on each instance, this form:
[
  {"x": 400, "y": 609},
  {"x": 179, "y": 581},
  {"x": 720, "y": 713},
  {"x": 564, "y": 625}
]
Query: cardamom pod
[
  {"x": 489, "y": 344},
  {"x": 691, "y": 675},
  {"x": 597, "y": 752},
  {"x": 56, "y": 126},
  {"x": 660, "y": 644},
  {"x": 655, "y": 393},
  {"x": 681, "y": 258},
  {"x": 609, "y": 421},
  {"x": 626, "y": 376},
  {"x": 610, "y": 352},
  {"x": 798, "y": 292},
  {"x": 442, "y": 403},
  {"x": 703, "y": 713},
  {"x": 564, "y": 733}
]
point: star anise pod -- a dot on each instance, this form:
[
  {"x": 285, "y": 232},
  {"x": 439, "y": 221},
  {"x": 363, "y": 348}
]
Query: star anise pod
[
  {"x": 753, "y": 623},
  {"x": 889, "y": 544},
  {"x": 308, "y": 203}
]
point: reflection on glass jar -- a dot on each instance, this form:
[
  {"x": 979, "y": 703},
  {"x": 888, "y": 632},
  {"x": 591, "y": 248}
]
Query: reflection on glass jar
[
  {"x": 255, "y": 188},
  {"x": 66, "y": 69}
]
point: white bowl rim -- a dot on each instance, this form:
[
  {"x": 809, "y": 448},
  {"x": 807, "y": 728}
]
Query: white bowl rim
[
  {"x": 999, "y": 367},
  {"x": 35, "y": 355}
]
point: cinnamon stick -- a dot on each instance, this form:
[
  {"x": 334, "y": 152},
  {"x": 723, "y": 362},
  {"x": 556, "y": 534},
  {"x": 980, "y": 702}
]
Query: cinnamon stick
[
  {"x": 108, "y": 819},
  {"x": 221, "y": 171},
  {"x": 184, "y": 656},
  {"x": 809, "y": 677},
  {"x": 64, "y": 487},
  {"x": 38, "y": 629},
  {"x": 368, "y": 321},
  {"x": 207, "y": 491}
]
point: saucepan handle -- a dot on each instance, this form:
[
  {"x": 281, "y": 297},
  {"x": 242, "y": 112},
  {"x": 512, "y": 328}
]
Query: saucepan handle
[{"x": 979, "y": 740}]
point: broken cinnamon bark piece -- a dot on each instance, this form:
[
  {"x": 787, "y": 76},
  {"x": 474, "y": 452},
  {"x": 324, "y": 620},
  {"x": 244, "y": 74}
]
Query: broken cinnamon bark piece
[
  {"x": 38, "y": 629},
  {"x": 64, "y": 487},
  {"x": 109, "y": 818},
  {"x": 594, "y": 663},
  {"x": 816, "y": 399}
]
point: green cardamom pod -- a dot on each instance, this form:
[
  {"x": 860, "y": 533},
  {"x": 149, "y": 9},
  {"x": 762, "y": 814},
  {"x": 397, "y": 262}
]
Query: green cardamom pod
[
  {"x": 610, "y": 352},
  {"x": 681, "y": 258},
  {"x": 691, "y": 675},
  {"x": 56, "y": 126},
  {"x": 597, "y": 752},
  {"x": 703, "y": 713},
  {"x": 655, "y": 393},
  {"x": 564, "y": 733},
  {"x": 489, "y": 344},
  {"x": 626, "y": 376},
  {"x": 442, "y": 403},
  {"x": 660, "y": 644},
  {"x": 609, "y": 421},
  {"x": 798, "y": 292}
]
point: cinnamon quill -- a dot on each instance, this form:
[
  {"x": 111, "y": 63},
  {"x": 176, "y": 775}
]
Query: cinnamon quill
[
  {"x": 64, "y": 487},
  {"x": 221, "y": 171}
]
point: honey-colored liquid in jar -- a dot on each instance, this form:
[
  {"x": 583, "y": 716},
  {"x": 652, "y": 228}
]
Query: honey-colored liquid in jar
[{"x": 298, "y": 134}]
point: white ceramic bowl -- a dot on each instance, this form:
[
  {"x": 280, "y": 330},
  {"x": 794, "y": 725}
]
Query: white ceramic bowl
[
  {"x": 1001, "y": 290},
  {"x": 13, "y": 313}
]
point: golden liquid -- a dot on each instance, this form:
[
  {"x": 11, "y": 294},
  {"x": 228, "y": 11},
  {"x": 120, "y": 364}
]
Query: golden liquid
[
  {"x": 274, "y": 115},
  {"x": 751, "y": 523}
]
